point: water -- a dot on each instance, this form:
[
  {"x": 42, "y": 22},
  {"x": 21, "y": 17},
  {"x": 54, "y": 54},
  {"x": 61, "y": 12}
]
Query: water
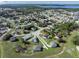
[
  {"x": 60, "y": 6},
  {"x": 38, "y": 5}
]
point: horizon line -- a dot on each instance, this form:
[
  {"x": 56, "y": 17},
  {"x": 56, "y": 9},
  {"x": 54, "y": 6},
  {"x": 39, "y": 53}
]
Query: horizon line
[{"x": 39, "y": 2}]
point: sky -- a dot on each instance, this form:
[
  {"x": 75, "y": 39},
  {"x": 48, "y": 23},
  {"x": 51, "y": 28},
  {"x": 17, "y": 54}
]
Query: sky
[{"x": 39, "y": 2}]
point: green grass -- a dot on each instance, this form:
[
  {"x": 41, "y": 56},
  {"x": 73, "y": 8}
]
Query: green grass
[
  {"x": 64, "y": 55},
  {"x": 72, "y": 9},
  {"x": 70, "y": 50},
  {"x": 9, "y": 51},
  {"x": 71, "y": 45},
  {"x": 0, "y": 51},
  {"x": 46, "y": 53}
]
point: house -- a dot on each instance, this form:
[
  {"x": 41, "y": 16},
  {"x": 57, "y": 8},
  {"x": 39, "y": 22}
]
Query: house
[
  {"x": 0, "y": 34},
  {"x": 15, "y": 17},
  {"x": 27, "y": 37},
  {"x": 19, "y": 48},
  {"x": 46, "y": 36},
  {"x": 28, "y": 26},
  {"x": 37, "y": 48},
  {"x": 6, "y": 36},
  {"x": 34, "y": 28},
  {"x": 35, "y": 40},
  {"x": 3, "y": 30},
  {"x": 57, "y": 37},
  {"x": 26, "y": 31},
  {"x": 53, "y": 44},
  {"x": 13, "y": 39}
]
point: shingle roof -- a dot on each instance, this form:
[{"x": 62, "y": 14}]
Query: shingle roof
[
  {"x": 13, "y": 39},
  {"x": 38, "y": 48},
  {"x": 35, "y": 40},
  {"x": 27, "y": 36},
  {"x": 53, "y": 44}
]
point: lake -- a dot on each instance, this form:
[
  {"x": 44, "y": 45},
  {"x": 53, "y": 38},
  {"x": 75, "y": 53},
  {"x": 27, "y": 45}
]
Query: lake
[
  {"x": 60, "y": 6},
  {"x": 38, "y": 5}
]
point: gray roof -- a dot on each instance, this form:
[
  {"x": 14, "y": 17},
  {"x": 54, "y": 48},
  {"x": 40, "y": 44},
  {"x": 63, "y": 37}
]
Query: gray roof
[
  {"x": 3, "y": 30},
  {"x": 37, "y": 48},
  {"x": 27, "y": 36},
  {"x": 13, "y": 39},
  {"x": 35, "y": 40},
  {"x": 19, "y": 48},
  {"x": 53, "y": 44}
]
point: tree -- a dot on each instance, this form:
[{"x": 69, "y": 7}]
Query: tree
[
  {"x": 6, "y": 37},
  {"x": 76, "y": 40}
]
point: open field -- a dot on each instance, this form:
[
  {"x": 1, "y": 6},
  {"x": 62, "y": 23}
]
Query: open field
[{"x": 8, "y": 51}]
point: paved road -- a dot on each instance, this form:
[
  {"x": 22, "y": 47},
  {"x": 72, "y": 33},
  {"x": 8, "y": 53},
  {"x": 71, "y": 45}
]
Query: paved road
[{"x": 36, "y": 33}]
